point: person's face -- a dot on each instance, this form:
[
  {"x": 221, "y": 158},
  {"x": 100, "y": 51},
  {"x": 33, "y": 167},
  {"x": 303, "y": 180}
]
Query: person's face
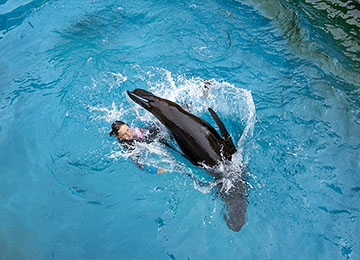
[{"x": 125, "y": 133}]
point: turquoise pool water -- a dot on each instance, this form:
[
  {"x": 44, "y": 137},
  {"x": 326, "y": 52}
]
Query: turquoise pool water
[{"x": 285, "y": 79}]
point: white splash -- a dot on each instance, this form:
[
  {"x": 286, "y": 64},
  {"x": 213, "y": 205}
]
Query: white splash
[
  {"x": 107, "y": 114},
  {"x": 119, "y": 79},
  {"x": 234, "y": 105}
]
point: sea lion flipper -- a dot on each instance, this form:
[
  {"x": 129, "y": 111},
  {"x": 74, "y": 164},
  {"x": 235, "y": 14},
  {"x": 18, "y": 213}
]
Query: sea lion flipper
[{"x": 224, "y": 133}]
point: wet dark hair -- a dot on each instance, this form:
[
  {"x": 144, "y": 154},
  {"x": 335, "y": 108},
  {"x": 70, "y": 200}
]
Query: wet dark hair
[{"x": 115, "y": 127}]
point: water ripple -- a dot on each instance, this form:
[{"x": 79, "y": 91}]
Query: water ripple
[{"x": 15, "y": 17}]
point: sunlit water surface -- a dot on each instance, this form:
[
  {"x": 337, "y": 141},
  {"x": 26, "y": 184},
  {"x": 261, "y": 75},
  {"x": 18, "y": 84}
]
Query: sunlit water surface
[{"x": 284, "y": 79}]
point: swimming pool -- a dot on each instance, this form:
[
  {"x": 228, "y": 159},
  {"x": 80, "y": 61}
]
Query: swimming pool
[{"x": 284, "y": 73}]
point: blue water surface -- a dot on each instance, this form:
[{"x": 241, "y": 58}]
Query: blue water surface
[{"x": 285, "y": 80}]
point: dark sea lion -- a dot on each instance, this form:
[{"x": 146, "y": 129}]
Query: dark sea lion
[{"x": 202, "y": 145}]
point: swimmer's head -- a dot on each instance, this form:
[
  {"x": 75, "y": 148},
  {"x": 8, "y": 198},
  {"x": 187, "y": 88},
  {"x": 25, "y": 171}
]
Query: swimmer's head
[{"x": 121, "y": 130}]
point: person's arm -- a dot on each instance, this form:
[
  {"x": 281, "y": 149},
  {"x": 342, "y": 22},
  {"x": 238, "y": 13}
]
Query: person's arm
[
  {"x": 152, "y": 133},
  {"x": 129, "y": 146},
  {"x": 160, "y": 170},
  {"x": 148, "y": 168}
]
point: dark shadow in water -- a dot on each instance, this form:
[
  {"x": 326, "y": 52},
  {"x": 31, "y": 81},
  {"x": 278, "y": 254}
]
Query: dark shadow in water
[
  {"x": 235, "y": 200},
  {"x": 11, "y": 20}
]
